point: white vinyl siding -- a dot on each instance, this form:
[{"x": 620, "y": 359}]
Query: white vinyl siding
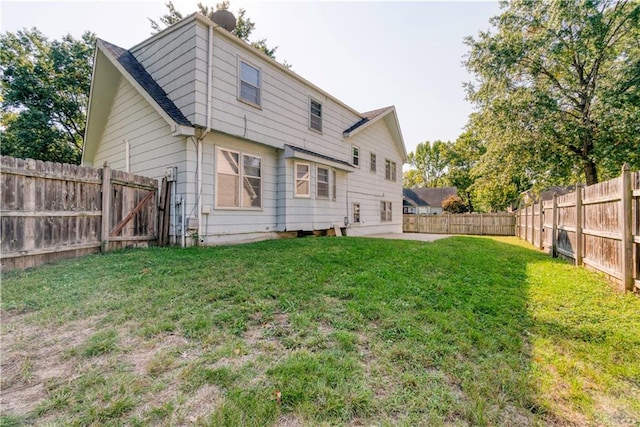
[
  {"x": 239, "y": 180},
  {"x": 315, "y": 115},
  {"x": 303, "y": 180},
  {"x": 249, "y": 83}
]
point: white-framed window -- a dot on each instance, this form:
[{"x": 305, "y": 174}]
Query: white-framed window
[
  {"x": 322, "y": 182},
  {"x": 315, "y": 115},
  {"x": 356, "y": 156},
  {"x": 303, "y": 180},
  {"x": 251, "y": 182},
  {"x": 238, "y": 180},
  {"x": 356, "y": 213},
  {"x": 390, "y": 170},
  {"x": 385, "y": 212},
  {"x": 373, "y": 162},
  {"x": 249, "y": 83},
  {"x": 334, "y": 185}
]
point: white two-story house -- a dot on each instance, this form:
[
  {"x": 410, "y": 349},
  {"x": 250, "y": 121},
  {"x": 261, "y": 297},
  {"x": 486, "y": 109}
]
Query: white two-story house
[{"x": 253, "y": 150}]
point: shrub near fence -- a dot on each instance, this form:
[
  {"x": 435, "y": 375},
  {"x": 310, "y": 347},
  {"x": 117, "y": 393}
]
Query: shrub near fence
[
  {"x": 494, "y": 224},
  {"x": 53, "y": 210},
  {"x": 597, "y": 226}
]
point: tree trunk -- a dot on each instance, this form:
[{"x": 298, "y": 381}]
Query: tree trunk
[{"x": 590, "y": 172}]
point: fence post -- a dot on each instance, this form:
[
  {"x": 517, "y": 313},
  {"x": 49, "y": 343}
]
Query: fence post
[
  {"x": 541, "y": 224},
  {"x": 448, "y": 222},
  {"x": 554, "y": 229},
  {"x": 625, "y": 222},
  {"x": 578, "y": 248},
  {"x": 106, "y": 207},
  {"x": 533, "y": 224},
  {"x": 481, "y": 226},
  {"x": 526, "y": 224}
]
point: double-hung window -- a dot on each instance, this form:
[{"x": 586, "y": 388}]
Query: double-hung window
[
  {"x": 385, "y": 211},
  {"x": 334, "y": 185},
  {"x": 322, "y": 183},
  {"x": 303, "y": 180},
  {"x": 238, "y": 180},
  {"x": 390, "y": 171},
  {"x": 250, "y": 83},
  {"x": 356, "y": 156},
  {"x": 372, "y": 163},
  {"x": 356, "y": 213},
  {"x": 315, "y": 115}
]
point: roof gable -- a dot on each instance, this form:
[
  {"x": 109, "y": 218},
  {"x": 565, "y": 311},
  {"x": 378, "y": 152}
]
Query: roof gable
[
  {"x": 131, "y": 65},
  {"x": 111, "y": 63},
  {"x": 390, "y": 118}
]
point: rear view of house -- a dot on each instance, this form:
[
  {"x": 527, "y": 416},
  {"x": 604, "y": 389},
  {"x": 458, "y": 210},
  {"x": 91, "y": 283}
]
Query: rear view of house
[{"x": 252, "y": 149}]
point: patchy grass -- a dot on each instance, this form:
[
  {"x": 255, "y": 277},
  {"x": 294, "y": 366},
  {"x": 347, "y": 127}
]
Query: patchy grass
[{"x": 462, "y": 331}]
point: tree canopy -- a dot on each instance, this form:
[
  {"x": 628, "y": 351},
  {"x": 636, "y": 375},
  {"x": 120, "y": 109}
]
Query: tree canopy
[
  {"x": 429, "y": 159},
  {"x": 557, "y": 93},
  {"x": 44, "y": 92},
  {"x": 243, "y": 30}
]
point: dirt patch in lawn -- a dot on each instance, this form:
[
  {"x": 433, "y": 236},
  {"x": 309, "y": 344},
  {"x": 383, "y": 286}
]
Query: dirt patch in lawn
[{"x": 32, "y": 355}]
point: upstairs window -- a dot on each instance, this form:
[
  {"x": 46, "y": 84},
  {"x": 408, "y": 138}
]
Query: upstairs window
[
  {"x": 315, "y": 115},
  {"x": 390, "y": 171},
  {"x": 303, "y": 180},
  {"x": 250, "y": 83},
  {"x": 356, "y": 156},
  {"x": 322, "y": 181},
  {"x": 372, "y": 165}
]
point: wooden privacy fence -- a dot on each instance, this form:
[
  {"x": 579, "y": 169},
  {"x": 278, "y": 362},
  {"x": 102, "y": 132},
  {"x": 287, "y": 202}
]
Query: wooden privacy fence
[
  {"x": 597, "y": 226},
  {"x": 50, "y": 211},
  {"x": 494, "y": 224}
]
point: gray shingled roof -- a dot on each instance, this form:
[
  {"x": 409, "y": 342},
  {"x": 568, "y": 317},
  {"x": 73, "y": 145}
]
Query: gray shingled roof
[
  {"x": 427, "y": 196},
  {"x": 368, "y": 116},
  {"x": 144, "y": 79},
  {"x": 322, "y": 156}
]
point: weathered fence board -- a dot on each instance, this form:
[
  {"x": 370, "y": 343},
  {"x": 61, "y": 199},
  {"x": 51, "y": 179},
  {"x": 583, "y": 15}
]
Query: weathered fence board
[
  {"x": 50, "y": 211},
  {"x": 497, "y": 224},
  {"x": 598, "y": 226}
]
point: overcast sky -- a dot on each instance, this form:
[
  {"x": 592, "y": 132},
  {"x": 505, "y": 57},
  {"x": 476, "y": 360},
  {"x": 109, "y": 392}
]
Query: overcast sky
[{"x": 367, "y": 54}]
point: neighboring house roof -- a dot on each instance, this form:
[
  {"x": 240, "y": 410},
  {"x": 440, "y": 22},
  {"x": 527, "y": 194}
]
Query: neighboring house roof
[
  {"x": 547, "y": 194},
  {"x": 137, "y": 71},
  {"x": 427, "y": 196}
]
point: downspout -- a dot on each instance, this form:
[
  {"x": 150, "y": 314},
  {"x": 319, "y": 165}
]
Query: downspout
[{"x": 207, "y": 129}]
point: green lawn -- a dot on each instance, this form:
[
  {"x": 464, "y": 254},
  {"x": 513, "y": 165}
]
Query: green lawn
[{"x": 334, "y": 331}]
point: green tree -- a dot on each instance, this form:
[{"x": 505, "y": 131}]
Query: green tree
[
  {"x": 44, "y": 88},
  {"x": 429, "y": 160},
  {"x": 462, "y": 157},
  {"x": 243, "y": 30},
  {"x": 558, "y": 90},
  {"x": 454, "y": 204},
  {"x": 412, "y": 178}
]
